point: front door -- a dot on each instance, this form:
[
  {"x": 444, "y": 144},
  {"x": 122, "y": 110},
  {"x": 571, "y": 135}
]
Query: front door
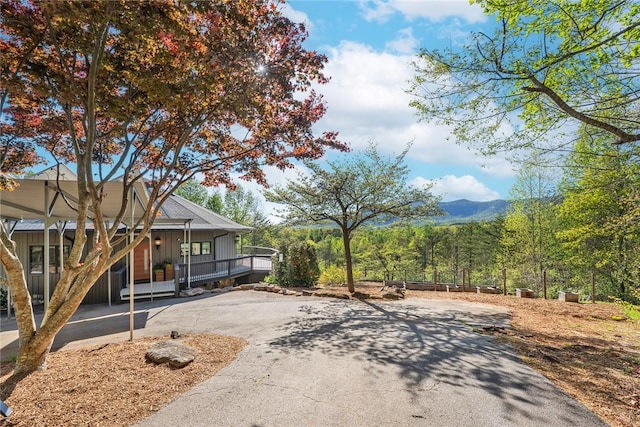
[{"x": 141, "y": 270}]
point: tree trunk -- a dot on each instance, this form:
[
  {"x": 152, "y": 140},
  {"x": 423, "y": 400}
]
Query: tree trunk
[{"x": 346, "y": 239}]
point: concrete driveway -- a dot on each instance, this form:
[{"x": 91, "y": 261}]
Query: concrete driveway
[{"x": 326, "y": 362}]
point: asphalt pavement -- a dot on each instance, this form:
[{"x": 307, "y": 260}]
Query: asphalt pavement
[{"x": 325, "y": 362}]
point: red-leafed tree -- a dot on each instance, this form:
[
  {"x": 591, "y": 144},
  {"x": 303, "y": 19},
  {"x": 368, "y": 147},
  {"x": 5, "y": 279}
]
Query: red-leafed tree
[{"x": 156, "y": 91}]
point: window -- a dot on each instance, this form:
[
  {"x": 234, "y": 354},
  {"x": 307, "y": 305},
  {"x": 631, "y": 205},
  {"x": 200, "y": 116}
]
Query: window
[
  {"x": 184, "y": 249},
  {"x": 54, "y": 257},
  {"x": 196, "y": 248},
  {"x": 36, "y": 258},
  {"x": 206, "y": 248}
]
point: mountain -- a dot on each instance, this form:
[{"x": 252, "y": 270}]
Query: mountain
[{"x": 467, "y": 211}]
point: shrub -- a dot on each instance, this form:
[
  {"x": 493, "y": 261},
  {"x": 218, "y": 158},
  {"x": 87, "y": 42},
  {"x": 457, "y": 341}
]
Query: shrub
[
  {"x": 333, "y": 276},
  {"x": 303, "y": 267},
  {"x": 299, "y": 265}
]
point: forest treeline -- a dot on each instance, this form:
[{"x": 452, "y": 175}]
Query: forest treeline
[{"x": 565, "y": 221}]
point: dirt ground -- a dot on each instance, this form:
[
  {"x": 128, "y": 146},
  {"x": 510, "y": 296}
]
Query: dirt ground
[{"x": 589, "y": 350}]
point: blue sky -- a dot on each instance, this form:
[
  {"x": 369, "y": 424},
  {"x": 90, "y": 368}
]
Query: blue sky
[{"x": 369, "y": 45}]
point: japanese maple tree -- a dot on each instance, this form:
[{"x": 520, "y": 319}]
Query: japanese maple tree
[{"x": 157, "y": 91}]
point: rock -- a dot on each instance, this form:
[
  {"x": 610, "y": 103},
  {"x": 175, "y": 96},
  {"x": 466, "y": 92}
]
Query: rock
[
  {"x": 176, "y": 354},
  {"x": 307, "y": 293},
  {"x": 360, "y": 295},
  {"x": 190, "y": 292},
  {"x": 392, "y": 295}
]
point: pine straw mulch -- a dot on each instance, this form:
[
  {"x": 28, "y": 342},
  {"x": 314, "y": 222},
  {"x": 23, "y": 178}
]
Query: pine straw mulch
[{"x": 110, "y": 384}]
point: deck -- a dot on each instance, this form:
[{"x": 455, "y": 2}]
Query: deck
[{"x": 196, "y": 274}]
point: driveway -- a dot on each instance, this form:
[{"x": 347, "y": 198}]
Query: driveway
[{"x": 326, "y": 362}]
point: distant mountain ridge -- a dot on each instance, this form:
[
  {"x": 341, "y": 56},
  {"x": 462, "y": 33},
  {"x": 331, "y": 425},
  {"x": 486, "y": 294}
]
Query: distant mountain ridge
[{"x": 464, "y": 210}]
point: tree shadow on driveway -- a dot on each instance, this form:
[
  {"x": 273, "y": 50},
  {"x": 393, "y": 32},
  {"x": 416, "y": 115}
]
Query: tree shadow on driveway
[{"x": 430, "y": 348}]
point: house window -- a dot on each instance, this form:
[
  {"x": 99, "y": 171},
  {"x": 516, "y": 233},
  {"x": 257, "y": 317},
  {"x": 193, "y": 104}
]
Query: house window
[
  {"x": 36, "y": 258},
  {"x": 184, "y": 249},
  {"x": 54, "y": 257},
  {"x": 196, "y": 248},
  {"x": 206, "y": 248}
]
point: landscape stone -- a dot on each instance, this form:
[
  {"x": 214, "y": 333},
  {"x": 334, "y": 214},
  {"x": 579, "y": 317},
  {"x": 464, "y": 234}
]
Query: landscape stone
[{"x": 177, "y": 355}]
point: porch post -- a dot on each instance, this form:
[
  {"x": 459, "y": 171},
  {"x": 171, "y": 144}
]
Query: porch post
[
  {"x": 131, "y": 266},
  {"x": 45, "y": 266},
  {"x": 150, "y": 266},
  {"x": 189, "y": 257}
]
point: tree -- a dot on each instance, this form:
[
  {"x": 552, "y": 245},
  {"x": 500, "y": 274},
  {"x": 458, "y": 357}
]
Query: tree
[
  {"x": 597, "y": 230},
  {"x": 529, "y": 227},
  {"x": 366, "y": 188},
  {"x": 153, "y": 91},
  {"x": 545, "y": 65},
  {"x": 193, "y": 191},
  {"x": 197, "y": 193},
  {"x": 214, "y": 202},
  {"x": 244, "y": 207}
]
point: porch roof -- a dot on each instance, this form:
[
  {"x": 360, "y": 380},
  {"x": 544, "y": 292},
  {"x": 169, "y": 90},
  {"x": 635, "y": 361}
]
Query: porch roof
[{"x": 41, "y": 197}]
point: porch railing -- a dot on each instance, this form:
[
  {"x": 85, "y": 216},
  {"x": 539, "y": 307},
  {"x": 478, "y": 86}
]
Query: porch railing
[{"x": 215, "y": 270}]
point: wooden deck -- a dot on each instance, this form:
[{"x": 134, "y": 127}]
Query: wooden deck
[{"x": 200, "y": 273}]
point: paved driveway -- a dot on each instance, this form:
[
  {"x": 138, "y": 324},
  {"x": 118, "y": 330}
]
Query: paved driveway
[{"x": 326, "y": 362}]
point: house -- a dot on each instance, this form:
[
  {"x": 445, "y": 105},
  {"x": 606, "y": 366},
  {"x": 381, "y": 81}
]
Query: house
[{"x": 193, "y": 245}]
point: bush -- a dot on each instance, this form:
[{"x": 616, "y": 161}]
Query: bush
[
  {"x": 303, "y": 267},
  {"x": 336, "y": 276},
  {"x": 333, "y": 276},
  {"x": 299, "y": 265}
]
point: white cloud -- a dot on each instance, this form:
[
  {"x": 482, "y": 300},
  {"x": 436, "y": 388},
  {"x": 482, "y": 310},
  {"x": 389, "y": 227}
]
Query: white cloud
[
  {"x": 405, "y": 43},
  {"x": 452, "y": 187},
  {"x": 296, "y": 15},
  {"x": 434, "y": 10},
  {"x": 367, "y": 101}
]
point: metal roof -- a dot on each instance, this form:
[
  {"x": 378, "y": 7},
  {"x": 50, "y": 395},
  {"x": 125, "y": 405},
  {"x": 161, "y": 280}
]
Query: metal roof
[
  {"x": 54, "y": 190},
  {"x": 177, "y": 207}
]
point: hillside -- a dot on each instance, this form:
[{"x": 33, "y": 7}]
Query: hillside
[{"x": 467, "y": 211}]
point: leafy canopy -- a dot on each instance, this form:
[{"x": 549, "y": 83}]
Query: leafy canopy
[
  {"x": 365, "y": 188},
  {"x": 144, "y": 90},
  {"x": 546, "y": 65}
]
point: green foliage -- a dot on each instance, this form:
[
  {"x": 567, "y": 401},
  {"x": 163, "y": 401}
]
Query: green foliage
[
  {"x": 303, "y": 266},
  {"x": 545, "y": 65},
  {"x": 362, "y": 189},
  {"x": 597, "y": 228},
  {"x": 299, "y": 265},
  {"x": 244, "y": 207},
  {"x": 336, "y": 276},
  {"x": 194, "y": 191},
  {"x": 214, "y": 203}
]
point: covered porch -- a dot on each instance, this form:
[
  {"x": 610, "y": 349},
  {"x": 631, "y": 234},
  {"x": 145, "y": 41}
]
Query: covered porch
[{"x": 202, "y": 273}]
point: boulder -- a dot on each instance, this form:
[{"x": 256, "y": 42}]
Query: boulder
[
  {"x": 177, "y": 355},
  {"x": 392, "y": 295},
  {"x": 190, "y": 292}
]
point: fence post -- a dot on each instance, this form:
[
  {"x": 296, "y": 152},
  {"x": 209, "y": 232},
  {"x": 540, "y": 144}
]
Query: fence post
[
  {"x": 544, "y": 283},
  {"x": 593, "y": 287},
  {"x": 435, "y": 279},
  {"x": 504, "y": 280},
  {"x": 464, "y": 278}
]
